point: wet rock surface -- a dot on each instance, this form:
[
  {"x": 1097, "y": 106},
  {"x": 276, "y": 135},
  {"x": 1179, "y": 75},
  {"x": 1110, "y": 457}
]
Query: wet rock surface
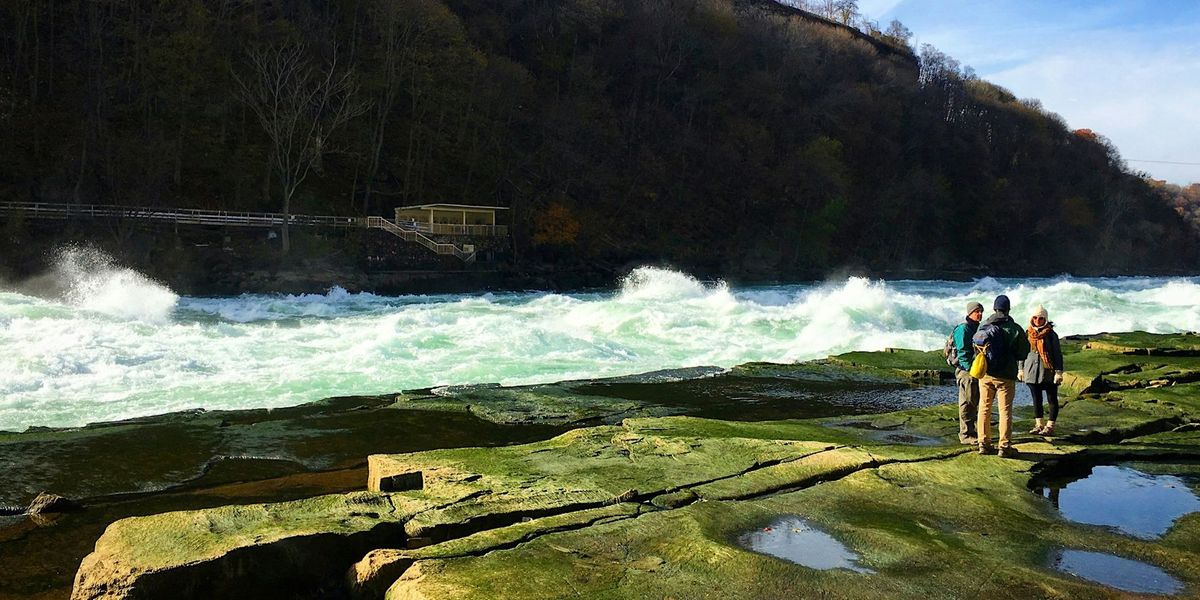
[
  {"x": 752, "y": 392},
  {"x": 45, "y": 503},
  {"x": 643, "y": 505},
  {"x": 197, "y": 460}
]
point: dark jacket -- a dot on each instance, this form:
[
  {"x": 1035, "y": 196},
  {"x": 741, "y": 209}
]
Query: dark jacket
[
  {"x": 965, "y": 352},
  {"x": 1018, "y": 347},
  {"x": 1035, "y": 371}
]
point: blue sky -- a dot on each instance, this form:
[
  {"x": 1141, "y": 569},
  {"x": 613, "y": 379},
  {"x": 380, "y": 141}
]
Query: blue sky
[{"x": 1127, "y": 69}]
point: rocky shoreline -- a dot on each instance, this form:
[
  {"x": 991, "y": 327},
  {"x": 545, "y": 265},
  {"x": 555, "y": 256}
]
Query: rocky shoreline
[{"x": 638, "y": 487}]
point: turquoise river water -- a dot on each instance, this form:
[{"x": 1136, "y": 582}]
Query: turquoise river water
[{"x": 112, "y": 344}]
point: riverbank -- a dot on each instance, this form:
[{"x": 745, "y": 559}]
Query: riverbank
[
  {"x": 211, "y": 261},
  {"x": 628, "y": 475}
]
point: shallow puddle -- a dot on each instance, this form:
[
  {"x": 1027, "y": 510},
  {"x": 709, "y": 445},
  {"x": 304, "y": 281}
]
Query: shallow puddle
[
  {"x": 1116, "y": 572},
  {"x": 794, "y": 540},
  {"x": 1135, "y": 503}
]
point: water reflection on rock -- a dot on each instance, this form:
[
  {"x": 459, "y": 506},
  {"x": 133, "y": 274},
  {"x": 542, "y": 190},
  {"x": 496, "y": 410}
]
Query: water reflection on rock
[
  {"x": 1133, "y": 502},
  {"x": 1116, "y": 572},
  {"x": 795, "y": 540}
]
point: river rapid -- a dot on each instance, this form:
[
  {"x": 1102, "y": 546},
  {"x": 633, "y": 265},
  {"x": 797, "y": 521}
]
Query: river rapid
[{"x": 93, "y": 341}]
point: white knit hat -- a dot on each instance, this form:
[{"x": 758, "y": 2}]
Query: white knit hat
[{"x": 1040, "y": 311}]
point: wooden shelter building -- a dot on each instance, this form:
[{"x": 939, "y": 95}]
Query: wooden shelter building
[{"x": 452, "y": 219}]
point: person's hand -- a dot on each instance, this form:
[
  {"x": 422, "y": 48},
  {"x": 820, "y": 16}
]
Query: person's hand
[
  {"x": 1058, "y": 378},
  {"x": 1021, "y": 374}
]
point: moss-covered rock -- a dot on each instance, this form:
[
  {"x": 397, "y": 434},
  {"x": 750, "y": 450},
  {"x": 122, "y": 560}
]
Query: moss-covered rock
[
  {"x": 214, "y": 447},
  {"x": 371, "y": 576},
  {"x": 848, "y": 384},
  {"x": 553, "y": 404},
  {"x": 261, "y": 550},
  {"x": 1143, "y": 343},
  {"x": 655, "y": 506},
  {"x": 958, "y": 527}
]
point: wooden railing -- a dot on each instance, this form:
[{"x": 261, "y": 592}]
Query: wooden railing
[
  {"x": 467, "y": 255},
  {"x": 187, "y": 216},
  {"x": 454, "y": 229},
  {"x": 450, "y": 229},
  {"x": 192, "y": 216}
]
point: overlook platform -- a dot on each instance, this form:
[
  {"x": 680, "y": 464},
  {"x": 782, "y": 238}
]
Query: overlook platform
[{"x": 412, "y": 230}]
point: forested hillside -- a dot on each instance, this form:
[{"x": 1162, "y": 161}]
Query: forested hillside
[
  {"x": 730, "y": 137},
  {"x": 1185, "y": 199}
]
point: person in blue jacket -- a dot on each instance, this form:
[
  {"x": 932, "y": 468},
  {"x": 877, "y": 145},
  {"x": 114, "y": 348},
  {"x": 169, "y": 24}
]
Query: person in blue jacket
[
  {"x": 968, "y": 387},
  {"x": 999, "y": 385}
]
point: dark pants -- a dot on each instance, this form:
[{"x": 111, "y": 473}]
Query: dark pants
[{"x": 1051, "y": 392}]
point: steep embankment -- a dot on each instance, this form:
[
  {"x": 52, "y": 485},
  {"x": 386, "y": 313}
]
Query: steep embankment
[{"x": 733, "y": 138}]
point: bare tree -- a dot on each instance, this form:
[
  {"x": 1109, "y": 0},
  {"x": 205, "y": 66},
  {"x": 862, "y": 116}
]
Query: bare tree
[
  {"x": 299, "y": 105},
  {"x": 844, "y": 11},
  {"x": 400, "y": 28},
  {"x": 898, "y": 33}
]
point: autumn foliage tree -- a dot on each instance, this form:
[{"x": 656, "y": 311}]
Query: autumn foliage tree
[{"x": 555, "y": 226}]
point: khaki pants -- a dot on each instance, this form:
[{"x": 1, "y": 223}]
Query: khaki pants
[
  {"x": 1001, "y": 391},
  {"x": 968, "y": 404}
]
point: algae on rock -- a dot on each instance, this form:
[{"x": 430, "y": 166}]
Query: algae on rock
[{"x": 653, "y": 507}]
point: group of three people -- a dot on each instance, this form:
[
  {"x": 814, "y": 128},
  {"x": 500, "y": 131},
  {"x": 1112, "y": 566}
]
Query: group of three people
[{"x": 1033, "y": 355}]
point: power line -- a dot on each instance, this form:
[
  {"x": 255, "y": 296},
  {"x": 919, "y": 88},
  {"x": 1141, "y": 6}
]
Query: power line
[{"x": 1164, "y": 162}]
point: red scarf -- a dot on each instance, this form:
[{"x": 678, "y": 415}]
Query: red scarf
[{"x": 1037, "y": 340}]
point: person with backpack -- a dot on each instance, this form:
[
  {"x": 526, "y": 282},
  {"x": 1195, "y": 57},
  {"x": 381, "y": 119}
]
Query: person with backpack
[
  {"x": 959, "y": 353},
  {"x": 1042, "y": 370},
  {"x": 1004, "y": 346}
]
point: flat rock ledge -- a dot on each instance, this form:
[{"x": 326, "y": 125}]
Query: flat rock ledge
[{"x": 654, "y": 507}]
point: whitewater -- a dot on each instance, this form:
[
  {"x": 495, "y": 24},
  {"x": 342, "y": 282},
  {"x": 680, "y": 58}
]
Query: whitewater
[{"x": 112, "y": 344}]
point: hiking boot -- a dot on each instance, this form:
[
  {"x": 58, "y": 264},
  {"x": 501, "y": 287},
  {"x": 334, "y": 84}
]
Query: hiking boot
[
  {"x": 1008, "y": 452},
  {"x": 986, "y": 449},
  {"x": 1048, "y": 429},
  {"x": 968, "y": 441}
]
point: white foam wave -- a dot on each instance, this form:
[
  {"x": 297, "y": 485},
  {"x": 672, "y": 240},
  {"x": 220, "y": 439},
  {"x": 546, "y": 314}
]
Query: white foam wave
[
  {"x": 650, "y": 283},
  {"x": 94, "y": 282},
  {"x": 71, "y": 363}
]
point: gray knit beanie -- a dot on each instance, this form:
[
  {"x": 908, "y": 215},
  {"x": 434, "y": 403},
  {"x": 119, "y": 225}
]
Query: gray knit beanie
[{"x": 974, "y": 306}]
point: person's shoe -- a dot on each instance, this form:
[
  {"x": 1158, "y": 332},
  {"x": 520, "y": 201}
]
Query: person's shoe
[
  {"x": 968, "y": 441},
  {"x": 1008, "y": 452},
  {"x": 1037, "y": 427},
  {"x": 1048, "y": 429},
  {"x": 986, "y": 449}
]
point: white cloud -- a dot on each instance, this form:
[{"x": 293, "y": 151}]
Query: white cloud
[
  {"x": 878, "y": 9},
  {"x": 1145, "y": 101},
  {"x": 1118, "y": 68}
]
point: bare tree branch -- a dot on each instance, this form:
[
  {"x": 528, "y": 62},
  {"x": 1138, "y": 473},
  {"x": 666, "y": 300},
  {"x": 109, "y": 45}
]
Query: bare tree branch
[{"x": 299, "y": 106}]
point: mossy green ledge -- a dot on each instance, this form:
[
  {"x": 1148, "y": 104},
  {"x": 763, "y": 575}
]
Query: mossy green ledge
[{"x": 652, "y": 507}]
